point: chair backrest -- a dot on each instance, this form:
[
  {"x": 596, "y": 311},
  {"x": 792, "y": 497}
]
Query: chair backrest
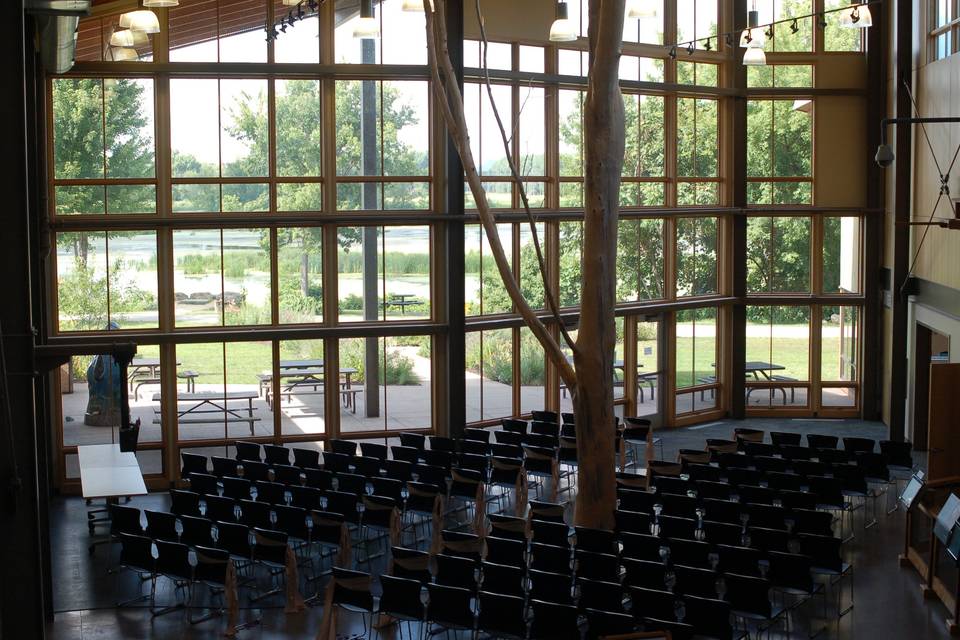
[
  {"x": 414, "y": 440},
  {"x": 306, "y": 458},
  {"x": 271, "y": 492},
  {"x": 704, "y": 472},
  {"x": 430, "y": 474},
  {"x": 211, "y": 565},
  {"x": 791, "y": 571},
  {"x": 401, "y": 598},
  {"x": 197, "y": 532},
  {"x": 596, "y": 566},
  {"x": 305, "y": 497},
  {"x": 319, "y": 478},
  {"x": 345, "y": 504},
  {"x": 480, "y": 435},
  {"x": 287, "y": 473},
  {"x": 502, "y": 614},
  {"x": 714, "y": 490},
  {"x": 545, "y": 416},
  {"x": 374, "y": 450},
  {"x": 595, "y": 540},
  {"x": 859, "y": 444},
  {"x": 722, "y": 510},
  {"x": 398, "y": 469},
  {"x": 740, "y": 560},
  {"x": 824, "y": 552},
  {"x": 723, "y": 532},
  {"x": 692, "y": 553},
  {"x": 501, "y": 578},
  {"x": 367, "y": 466},
  {"x": 136, "y": 552},
  {"x": 442, "y": 443},
  {"x": 270, "y": 546},
  {"x": 255, "y": 470},
  {"x": 708, "y": 616},
  {"x": 552, "y": 533},
  {"x": 344, "y": 447},
  {"x": 798, "y": 499},
  {"x": 550, "y": 586},
  {"x": 642, "y": 546},
  {"x": 326, "y": 528},
  {"x": 336, "y": 461},
  {"x": 550, "y": 511},
  {"x": 255, "y": 514},
  {"x": 510, "y": 527},
  {"x": 873, "y": 466},
  {"x": 173, "y": 560},
  {"x": 352, "y": 588},
  {"x": 450, "y": 606},
  {"x": 644, "y": 573},
  {"x": 235, "y": 538},
  {"x": 275, "y": 454},
  {"x": 412, "y": 564},
  {"x": 768, "y": 539},
  {"x": 897, "y": 454},
  {"x": 548, "y": 557},
  {"x": 185, "y": 503},
  {"x": 553, "y": 620},
  {"x": 599, "y": 594},
  {"x": 161, "y": 525},
  {"x": 220, "y": 508},
  {"x": 248, "y": 450},
  {"x": 514, "y": 426},
  {"x": 125, "y": 519},
  {"x": 506, "y": 551},
  {"x": 781, "y": 438},
  {"x": 653, "y": 603},
  {"x": 192, "y": 463},
  {"x": 455, "y": 570},
  {"x": 236, "y": 488},
  {"x": 203, "y": 483},
  {"x": 695, "y": 581},
  {"x": 292, "y": 521},
  {"x": 821, "y": 441},
  {"x": 748, "y": 594},
  {"x": 351, "y": 483},
  {"x": 636, "y": 500}
]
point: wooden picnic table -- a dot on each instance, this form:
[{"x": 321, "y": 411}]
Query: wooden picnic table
[
  {"x": 207, "y": 402},
  {"x": 311, "y": 380},
  {"x": 400, "y": 300}
]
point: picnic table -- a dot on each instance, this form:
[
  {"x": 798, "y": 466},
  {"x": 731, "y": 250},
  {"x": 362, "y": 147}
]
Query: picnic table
[
  {"x": 308, "y": 381},
  {"x": 400, "y": 300},
  {"x": 617, "y": 364},
  {"x": 144, "y": 371},
  {"x": 761, "y": 372},
  {"x": 203, "y": 403}
]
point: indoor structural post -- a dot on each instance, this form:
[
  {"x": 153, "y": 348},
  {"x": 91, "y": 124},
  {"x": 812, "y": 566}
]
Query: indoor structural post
[
  {"x": 370, "y": 161},
  {"x": 738, "y": 235},
  {"x": 456, "y": 362},
  {"x": 23, "y": 496}
]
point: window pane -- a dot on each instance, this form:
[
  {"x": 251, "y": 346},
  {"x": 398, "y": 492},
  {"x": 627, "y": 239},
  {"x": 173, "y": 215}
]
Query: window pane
[
  {"x": 194, "y": 128},
  {"x": 697, "y": 141},
  {"x": 531, "y": 279},
  {"x": 300, "y": 270},
  {"x": 494, "y": 296},
  {"x": 696, "y": 350},
  {"x": 78, "y": 128},
  {"x": 300, "y": 43},
  {"x": 298, "y": 127},
  {"x": 640, "y": 260},
  {"x": 696, "y": 19},
  {"x": 388, "y": 386},
  {"x": 696, "y": 256},
  {"x": 571, "y": 244},
  {"x": 196, "y": 418},
  {"x": 571, "y": 133},
  {"x": 778, "y": 255},
  {"x": 841, "y": 255},
  {"x": 839, "y": 333},
  {"x": 301, "y": 387},
  {"x": 532, "y": 372},
  {"x": 835, "y": 37},
  {"x": 244, "y": 134},
  {"x": 785, "y": 39}
]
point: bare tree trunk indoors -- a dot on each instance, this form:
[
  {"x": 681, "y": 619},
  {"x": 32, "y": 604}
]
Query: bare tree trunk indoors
[{"x": 591, "y": 381}]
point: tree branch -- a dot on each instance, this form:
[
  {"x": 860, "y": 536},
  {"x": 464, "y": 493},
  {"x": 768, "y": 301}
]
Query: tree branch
[
  {"x": 450, "y": 102},
  {"x": 548, "y": 294}
]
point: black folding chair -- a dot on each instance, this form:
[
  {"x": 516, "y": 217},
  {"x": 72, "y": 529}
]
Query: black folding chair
[
  {"x": 554, "y": 621},
  {"x": 502, "y": 615}
]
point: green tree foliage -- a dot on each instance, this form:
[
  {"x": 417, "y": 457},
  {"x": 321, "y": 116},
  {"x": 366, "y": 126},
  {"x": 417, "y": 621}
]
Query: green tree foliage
[
  {"x": 102, "y": 129},
  {"x": 779, "y": 145}
]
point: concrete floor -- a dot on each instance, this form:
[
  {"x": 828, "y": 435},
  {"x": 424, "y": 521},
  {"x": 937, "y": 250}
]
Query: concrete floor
[{"x": 888, "y": 599}]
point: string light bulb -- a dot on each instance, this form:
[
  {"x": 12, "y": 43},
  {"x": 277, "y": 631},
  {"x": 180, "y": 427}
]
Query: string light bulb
[
  {"x": 562, "y": 29},
  {"x": 858, "y": 16},
  {"x": 366, "y": 27}
]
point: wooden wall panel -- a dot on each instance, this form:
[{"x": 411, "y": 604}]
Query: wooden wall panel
[
  {"x": 504, "y": 22},
  {"x": 840, "y": 141}
]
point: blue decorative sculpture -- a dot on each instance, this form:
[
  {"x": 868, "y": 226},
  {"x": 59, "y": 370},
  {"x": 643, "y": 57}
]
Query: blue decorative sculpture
[{"x": 104, "y": 387}]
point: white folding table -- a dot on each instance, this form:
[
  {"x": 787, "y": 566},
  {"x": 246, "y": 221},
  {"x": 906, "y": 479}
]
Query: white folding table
[{"x": 106, "y": 472}]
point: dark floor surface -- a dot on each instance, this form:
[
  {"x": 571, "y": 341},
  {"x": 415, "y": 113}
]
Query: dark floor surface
[{"x": 888, "y": 601}]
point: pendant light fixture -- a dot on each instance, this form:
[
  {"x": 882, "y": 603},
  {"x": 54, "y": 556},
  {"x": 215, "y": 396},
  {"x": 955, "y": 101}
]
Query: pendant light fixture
[
  {"x": 414, "y": 6},
  {"x": 140, "y": 20},
  {"x": 858, "y": 16},
  {"x": 754, "y": 57},
  {"x": 128, "y": 38},
  {"x": 638, "y": 9},
  {"x": 366, "y": 27},
  {"x": 121, "y": 54},
  {"x": 291, "y": 3},
  {"x": 161, "y": 3},
  {"x": 753, "y": 36},
  {"x": 562, "y": 29}
]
